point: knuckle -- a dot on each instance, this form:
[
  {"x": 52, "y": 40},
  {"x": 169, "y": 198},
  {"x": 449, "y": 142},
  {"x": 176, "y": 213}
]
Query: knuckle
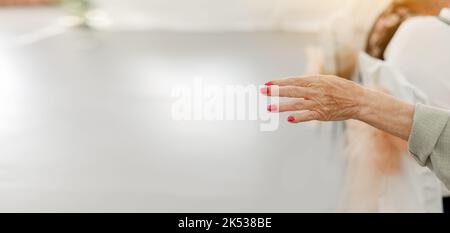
[
  {"x": 326, "y": 109},
  {"x": 315, "y": 116},
  {"x": 321, "y": 115},
  {"x": 292, "y": 91},
  {"x": 298, "y": 105}
]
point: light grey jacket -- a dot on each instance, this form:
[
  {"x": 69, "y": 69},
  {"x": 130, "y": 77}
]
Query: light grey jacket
[{"x": 429, "y": 142}]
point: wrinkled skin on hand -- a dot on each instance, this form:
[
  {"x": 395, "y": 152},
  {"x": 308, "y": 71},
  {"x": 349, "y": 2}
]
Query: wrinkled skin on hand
[{"x": 320, "y": 97}]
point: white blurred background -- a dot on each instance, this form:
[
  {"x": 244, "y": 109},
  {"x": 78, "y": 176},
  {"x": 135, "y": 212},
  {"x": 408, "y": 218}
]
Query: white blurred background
[
  {"x": 84, "y": 116},
  {"x": 218, "y": 15},
  {"x": 205, "y": 15}
]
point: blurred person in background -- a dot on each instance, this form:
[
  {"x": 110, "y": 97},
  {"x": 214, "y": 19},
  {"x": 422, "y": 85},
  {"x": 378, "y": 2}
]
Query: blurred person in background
[
  {"x": 342, "y": 61},
  {"x": 390, "y": 20},
  {"x": 382, "y": 152}
]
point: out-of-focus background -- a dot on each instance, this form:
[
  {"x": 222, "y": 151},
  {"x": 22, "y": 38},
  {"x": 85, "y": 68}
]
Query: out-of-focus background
[
  {"x": 304, "y": 16},
  {"x": 85, "y": 105}
]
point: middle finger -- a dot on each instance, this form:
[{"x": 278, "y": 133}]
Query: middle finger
[{"x": 287, "y": 91}]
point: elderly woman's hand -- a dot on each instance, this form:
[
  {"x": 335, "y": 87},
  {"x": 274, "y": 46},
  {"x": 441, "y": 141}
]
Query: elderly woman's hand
[
  {"x": 330, "y": 98},
  {"x": 324, "y": 98}
]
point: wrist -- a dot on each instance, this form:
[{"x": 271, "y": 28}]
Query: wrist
[
  {"x": 385, "y": 112},
  {"x": 365, "y": 104}
]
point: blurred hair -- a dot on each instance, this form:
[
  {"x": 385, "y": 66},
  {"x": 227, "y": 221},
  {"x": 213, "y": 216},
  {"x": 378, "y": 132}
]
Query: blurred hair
[{"x": 390, "y": 20}]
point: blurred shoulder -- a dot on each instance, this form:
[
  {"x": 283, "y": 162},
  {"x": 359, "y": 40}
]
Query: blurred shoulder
[
  {"x": 414, "y": 33},
  {"x": 419, "y": 25}
]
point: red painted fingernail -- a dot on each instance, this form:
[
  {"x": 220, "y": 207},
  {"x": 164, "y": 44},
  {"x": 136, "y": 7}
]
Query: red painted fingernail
[
  {"x": 264, "y": 90},
  {"x": 291, "y": 119},
  {"x": 269, "y": 84},
  {"x": 272, "y": 108}
]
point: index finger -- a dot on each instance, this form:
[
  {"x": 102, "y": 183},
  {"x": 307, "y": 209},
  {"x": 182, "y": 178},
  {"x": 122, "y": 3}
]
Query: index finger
[{"x": 301, "y": 81}]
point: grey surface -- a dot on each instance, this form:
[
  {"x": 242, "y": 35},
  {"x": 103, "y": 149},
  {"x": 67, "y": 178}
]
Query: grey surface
[
  {"x": 85, "y": 126},
  {"x": 20, "y": 20}
]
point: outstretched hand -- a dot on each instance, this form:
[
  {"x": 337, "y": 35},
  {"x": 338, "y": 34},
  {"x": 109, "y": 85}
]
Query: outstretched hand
[
  {"x": 330, "y": 98},
  {"x": 320, "y": 97}
]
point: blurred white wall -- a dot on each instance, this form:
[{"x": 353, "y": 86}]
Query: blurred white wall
[
  {"x": 204, "y": 15},
  {"x": 219, "y": 15}
]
